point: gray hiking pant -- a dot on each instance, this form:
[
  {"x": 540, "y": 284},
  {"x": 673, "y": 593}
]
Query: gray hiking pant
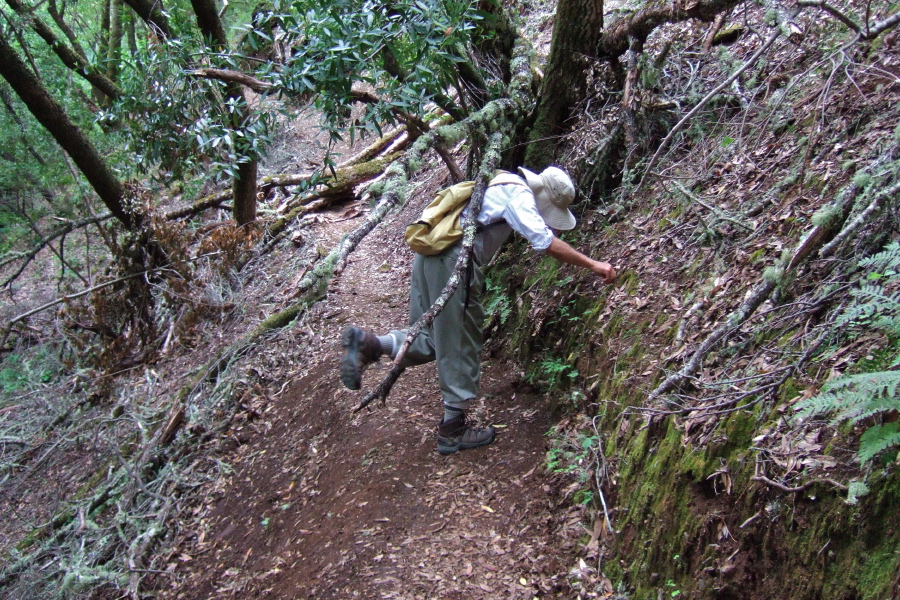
[{"x": 455, "y": 337}]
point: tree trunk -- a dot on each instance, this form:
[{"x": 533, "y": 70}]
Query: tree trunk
[
  {"x": 59, "y": 18},
  {"x": 151, "y": 11},
  {"x": 244, "y": 185},
  {"x": 114, "y": 48},
  {"x": 71, "y": 58},
  {"x": 576, "y": 33},
  {"x": 102, "y": 46},
  {"x": 52, "y": 116},
  {"x": 130, "y": 33},
  {"x": 209, "y": 23}
]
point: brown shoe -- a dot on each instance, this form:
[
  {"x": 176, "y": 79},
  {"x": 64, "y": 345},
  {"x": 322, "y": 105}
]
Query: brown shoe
[
  {"x": 361, "y": 349},
  {"x": 455, "y": 434}
]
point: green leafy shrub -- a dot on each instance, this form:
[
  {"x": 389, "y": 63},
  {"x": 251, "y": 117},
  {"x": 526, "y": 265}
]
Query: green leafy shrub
[
  {"x": 859, "y": 397},
  {"x": 496, "y": 303}
]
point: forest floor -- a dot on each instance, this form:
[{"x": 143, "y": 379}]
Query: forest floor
[{"x": 285, "y": 493}]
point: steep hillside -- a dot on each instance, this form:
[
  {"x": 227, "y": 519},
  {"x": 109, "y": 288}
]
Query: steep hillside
[
  {"x": 650, "y": 444},
  {"x": 681, "y": 386}
]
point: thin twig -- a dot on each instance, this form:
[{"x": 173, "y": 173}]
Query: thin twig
[
  {"x": 680, "y": 125},
  {"x": 43, "y": 307},
  {"x": 799, "y": 488}
]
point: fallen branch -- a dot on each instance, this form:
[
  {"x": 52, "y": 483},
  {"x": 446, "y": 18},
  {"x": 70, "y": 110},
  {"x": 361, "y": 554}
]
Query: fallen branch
[
  {"x": 860, "y": 219},
  {"x": 314, "y": 284},
  {"x": 8, "y": 329},
  {"x": 734, "y": 320},
  {"x": 488, "y": 167},
  {"x": 376, "y": 148},
  {"x": 834, "y": 12},
  {"x": 231, "y": 76},
  {"x": 341, "y": 184},
  {"x": 640, "y": 24},
  {"x": 713, "y": 209},
  {"x": 808, "y": 244},
  {"x": 29, "y": 254}
]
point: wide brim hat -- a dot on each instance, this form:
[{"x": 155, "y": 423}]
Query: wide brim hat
[{"x": 553, "y": 192}]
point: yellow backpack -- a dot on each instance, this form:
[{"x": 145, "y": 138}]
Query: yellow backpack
[{"x": 439, "y": 226}]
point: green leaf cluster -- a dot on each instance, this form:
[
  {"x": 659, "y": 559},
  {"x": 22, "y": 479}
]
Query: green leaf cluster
[
  {"x": 176, "y": 126},
  {"x": 408, "y": 51},
  {"x": 860, "y": 398}
]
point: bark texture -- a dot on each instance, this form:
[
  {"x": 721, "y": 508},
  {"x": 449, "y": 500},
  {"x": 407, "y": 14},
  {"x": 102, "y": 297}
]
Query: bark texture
[
  {"x": 576, "y": 33},
  {"x": 71, "y": 58},
  {"x": 51, "y": 115},
  {"x": 152, "y": 14},
  {"x": 244, "y": 185}
]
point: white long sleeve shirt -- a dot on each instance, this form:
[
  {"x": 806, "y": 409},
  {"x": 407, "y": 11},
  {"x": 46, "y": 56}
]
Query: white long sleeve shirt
[{"x": 507, "y": 208}]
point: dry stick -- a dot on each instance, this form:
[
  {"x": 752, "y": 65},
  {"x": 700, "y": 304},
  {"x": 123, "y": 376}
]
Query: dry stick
[
  {"x": 799, "y": 488},
  {"x": 488, "y": 166},
  {"x": 834, "y": 12},
  {"x": 851, "y": 227},
  {"x": 69, "y": 226},
  {"x": 713, "y": 209},
  {"x": 711, "y": 34},
  {"x": 739, "y": 316},
  {"x": 869, "y": 33},
  {"x": 680, "y": 125},
  {"x": 28, "y": 255}
]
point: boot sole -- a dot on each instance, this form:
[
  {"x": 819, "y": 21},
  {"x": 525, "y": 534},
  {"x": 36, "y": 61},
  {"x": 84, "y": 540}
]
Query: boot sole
[{"x": 350, "y": 373}]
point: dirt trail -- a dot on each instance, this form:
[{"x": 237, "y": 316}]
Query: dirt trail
[{"x": 319, "y": 503}]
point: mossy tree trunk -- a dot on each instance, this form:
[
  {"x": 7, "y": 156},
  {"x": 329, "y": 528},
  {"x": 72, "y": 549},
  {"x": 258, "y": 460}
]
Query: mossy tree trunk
[
  {"x": 73, "y": 140},
  {"x": 114, "y": 46},
  {"x": 580, "y": 38},
  {"x": 576, "y": 34},
  {"x": 153, "y": 14}
]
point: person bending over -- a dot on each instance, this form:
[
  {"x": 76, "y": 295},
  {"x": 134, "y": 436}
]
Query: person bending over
[{"x": 534, "y": 206}]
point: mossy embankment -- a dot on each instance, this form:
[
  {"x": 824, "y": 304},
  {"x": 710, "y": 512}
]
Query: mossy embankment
[
  {"x": 689, "y": 518},
  {"x": 725, "y": 302}
]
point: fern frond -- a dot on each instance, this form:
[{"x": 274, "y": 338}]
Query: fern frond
[
  {"x": 876, "y": 439},
  {"x": 887, "y": 259},
  {"x": 872, "y": 303},
  {"x": 823, "y": 403},
  {"x": 855, "y": 397}
]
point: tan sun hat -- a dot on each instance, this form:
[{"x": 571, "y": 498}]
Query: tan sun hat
[{"x": 554, "y": 191}]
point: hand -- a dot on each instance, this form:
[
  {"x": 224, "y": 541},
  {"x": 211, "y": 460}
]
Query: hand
[{"x": 605, "y": 271}]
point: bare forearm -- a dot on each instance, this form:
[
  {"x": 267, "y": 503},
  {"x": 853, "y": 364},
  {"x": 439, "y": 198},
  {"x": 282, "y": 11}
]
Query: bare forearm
[{"x": 563, "y": 252}]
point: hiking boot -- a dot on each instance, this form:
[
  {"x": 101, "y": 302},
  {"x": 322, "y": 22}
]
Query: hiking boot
[
  {"x": 456, "y": 434},
  {"x": 361, "y": 349}
]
